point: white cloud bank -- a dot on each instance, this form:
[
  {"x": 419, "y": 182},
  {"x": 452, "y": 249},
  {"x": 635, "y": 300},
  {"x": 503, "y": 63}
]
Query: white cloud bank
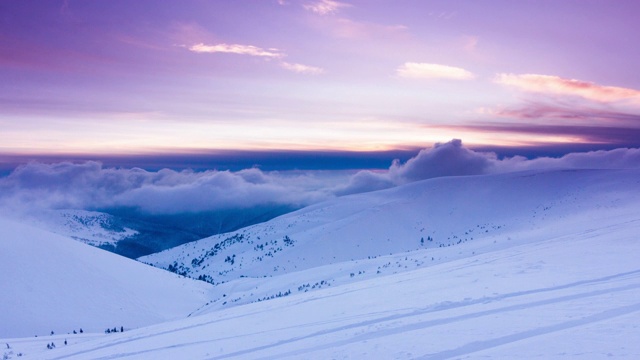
[
  {"x": 453, "y": 159},
  {"x": 91, "y": 186}
]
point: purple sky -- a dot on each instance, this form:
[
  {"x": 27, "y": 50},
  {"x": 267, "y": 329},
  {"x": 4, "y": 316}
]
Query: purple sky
[{"x": 146, "y": 76}]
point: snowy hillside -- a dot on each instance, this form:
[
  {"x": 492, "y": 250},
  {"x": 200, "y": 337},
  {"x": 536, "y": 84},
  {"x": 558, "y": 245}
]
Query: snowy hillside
[
  {"x": 396, "y": 230},
  {"x": 53, "y": 283},
  {"x": 567, "y": 291},
  {"x": 132, "y": 234},
  {"x": 91, "y": 227}
]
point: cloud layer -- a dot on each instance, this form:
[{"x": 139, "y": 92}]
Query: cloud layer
[
  {"x": 91, "y": 186},
  {"x": 454, "y": 159}
]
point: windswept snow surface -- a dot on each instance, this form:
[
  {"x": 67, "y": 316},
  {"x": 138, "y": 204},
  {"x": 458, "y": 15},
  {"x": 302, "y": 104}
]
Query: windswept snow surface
[{"x": 52, "y": 283}]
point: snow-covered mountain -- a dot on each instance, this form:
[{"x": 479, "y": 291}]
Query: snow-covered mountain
[
  {"x": 53, "y": 283},
  {"x": 539, "y": 264},
  {"x": 398, "y": 229},
  {"x": 559, "y": 278},
  {"x": 132, "y": 234}
]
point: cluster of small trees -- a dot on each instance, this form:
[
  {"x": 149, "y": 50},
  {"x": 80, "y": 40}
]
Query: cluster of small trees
[
  {"x": 206, "y": 278},
  {"x": 318, "y": 285},
  {"x": 279, "y": 294},
  {"x": 178, "y": 269},
  {"x": 230, "y": 259},
  {"x": 53, "y": 345},
  {"x": 429, "y": 238},
  {"x": 237, "y": 238},
  {"x": 114, "y": 330},
  {"x": 288, "y": 241}
]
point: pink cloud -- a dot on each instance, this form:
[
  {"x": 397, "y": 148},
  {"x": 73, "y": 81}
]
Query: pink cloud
[
  {"x": 432, "y": 71},
  {"x": 325, "y": 7},
  {"x": 302, "y": 69},
  {"x": 561, "y": 86},
  {"x": 237, "y": 49}
]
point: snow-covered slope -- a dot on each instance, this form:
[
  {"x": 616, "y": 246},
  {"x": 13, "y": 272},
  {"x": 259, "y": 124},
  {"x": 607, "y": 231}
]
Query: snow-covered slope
[
  {"x": 91, "y": 227},
  {"x": 53, "y": 283},
  {"x": 130, "y": 233},
  {"x": 399, "y": 229},
  {"x": 574, "y": 295}
]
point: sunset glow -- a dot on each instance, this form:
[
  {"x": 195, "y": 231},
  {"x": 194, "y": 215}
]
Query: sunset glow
[{"x": 111, "y": 77}]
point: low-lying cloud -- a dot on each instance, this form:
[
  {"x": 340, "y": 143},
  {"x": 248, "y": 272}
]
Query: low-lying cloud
[
  {"x": 454, "y": 159},
  {"x": 91, "y": 186}
]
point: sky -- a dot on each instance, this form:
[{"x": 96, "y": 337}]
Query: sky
[{"x": 120, "y": 78}]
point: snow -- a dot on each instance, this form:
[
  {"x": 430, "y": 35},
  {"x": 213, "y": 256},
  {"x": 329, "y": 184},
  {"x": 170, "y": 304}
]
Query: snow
[
  {"x": 91, "y": 227},
  {"x": 53, "y": 283},
  {"x": 548, "y": 269},
  {"x": 563, "y": 297},
  {"x": 379, "y": 233}
]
